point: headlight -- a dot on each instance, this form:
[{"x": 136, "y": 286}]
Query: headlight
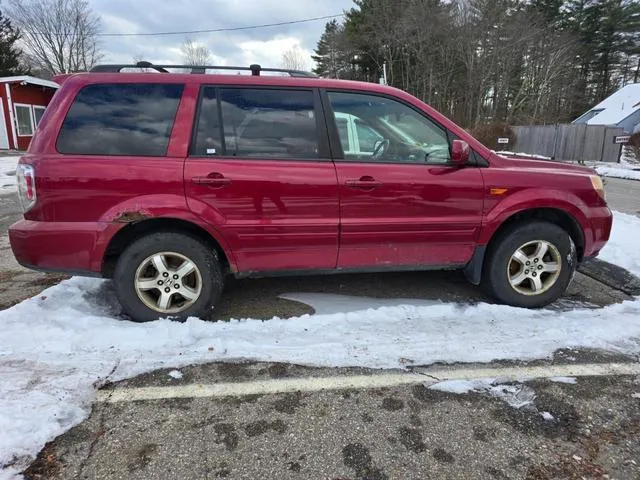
[{"x": 598, "y": 185}]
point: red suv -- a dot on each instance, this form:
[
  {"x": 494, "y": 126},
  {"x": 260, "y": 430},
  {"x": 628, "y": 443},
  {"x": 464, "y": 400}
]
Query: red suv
[{"x": 169, "y": 182}]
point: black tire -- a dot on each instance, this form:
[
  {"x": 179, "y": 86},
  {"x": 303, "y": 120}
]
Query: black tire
[
  {"x": 200, "y": 254},
  {"x": 495, "y": 279}
]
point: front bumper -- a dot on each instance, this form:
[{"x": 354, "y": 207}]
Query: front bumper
[{"x": 601, "y": 222}]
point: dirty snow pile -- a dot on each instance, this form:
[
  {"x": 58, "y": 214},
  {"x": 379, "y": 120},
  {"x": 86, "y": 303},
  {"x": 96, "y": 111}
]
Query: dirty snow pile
[
  {"x": 58, "y": 347},
  {"x": 8, "y": 174},
  {"x": 517, "y": 395}
]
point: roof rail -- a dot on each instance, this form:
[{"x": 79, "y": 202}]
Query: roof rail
[{"x": 255, "y": 69}]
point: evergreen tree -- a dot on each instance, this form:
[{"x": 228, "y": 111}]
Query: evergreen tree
[
  {"x": 10, "y": 55},
  {"x": 520, "y": 61},
  {"x": 332, "y": 53}
]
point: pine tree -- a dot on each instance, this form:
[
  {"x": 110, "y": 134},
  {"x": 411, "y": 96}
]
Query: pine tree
[
  {"x": 549, "y": 10},
  {"x": 330, "y": 54},
  {"x": 11, "y": 62}
]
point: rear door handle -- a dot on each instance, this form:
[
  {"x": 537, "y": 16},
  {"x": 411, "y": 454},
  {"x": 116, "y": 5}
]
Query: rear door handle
[
  {"x": 364, "y": 183},
  {"x": 214, "y": 180}
]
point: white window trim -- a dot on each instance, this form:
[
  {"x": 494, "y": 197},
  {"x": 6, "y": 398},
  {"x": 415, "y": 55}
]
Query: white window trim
[
  {"x": 37, "y": 107},
  {"x": 31, "y": 118}
]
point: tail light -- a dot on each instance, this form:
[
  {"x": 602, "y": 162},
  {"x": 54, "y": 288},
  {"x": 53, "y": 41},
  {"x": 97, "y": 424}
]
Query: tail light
[{"x": 26, "y": 179}]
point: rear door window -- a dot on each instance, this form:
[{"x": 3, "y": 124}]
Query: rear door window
[
  {"x": 257, "y": 123},
  {"x": 120, "y": 119}
]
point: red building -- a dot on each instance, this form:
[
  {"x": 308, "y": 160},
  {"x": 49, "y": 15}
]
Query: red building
[{"x": 23, "y": 102}]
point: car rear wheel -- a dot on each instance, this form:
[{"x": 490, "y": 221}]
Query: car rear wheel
[
  {"x": 530, "y": 265},
  {"x": 167, "y": 275}
]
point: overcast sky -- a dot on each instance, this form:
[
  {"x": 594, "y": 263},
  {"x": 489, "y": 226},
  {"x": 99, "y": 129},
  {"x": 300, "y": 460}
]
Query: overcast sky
[{"x": 262, "y": 45}]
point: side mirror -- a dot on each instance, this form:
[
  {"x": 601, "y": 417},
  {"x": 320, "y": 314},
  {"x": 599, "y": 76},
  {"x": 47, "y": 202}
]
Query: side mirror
[{"x": 460, "y": 152}]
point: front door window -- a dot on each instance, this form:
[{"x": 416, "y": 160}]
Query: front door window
[{"x": 389, "y": 131}]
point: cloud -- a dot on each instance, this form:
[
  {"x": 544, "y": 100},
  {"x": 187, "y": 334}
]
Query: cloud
[
  {"x": 270, "y": 52},
  {"x": 243, "y": 47}
]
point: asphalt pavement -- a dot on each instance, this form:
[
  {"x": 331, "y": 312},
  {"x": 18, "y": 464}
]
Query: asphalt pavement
[
  {"x": 623, "y": 195},
  {"x": 569, "y": 431}
]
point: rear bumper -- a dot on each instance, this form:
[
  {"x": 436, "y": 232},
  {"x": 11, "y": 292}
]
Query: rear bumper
[
  {"x": 601, "y": 220},
  {"x": 72, "y": 247}
]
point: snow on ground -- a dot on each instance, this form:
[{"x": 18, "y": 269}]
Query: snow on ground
[
  {"x": 564, "y": 379},
  {"x": 622, "y": 248},
  {"x": 8, "y": 174},
  {"x": 516, "y": 395},
  {"x": 618, "y": 172},
  {"x": 58, "y": 347}
]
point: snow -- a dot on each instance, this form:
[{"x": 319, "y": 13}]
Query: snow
[
  {"x": 618, "y": 106},
  {"x": 57, "y": 348},
  {"x": 8, "y": 174},
  {"x": 462, "y": 386},
  {"x": 175, "y": 374},
  {"x": 622, "y": 246},
  {"x": 547, "y": 416},
  {"x": 618, "y": 172},
  {"x": 571, "y": 380},
  {"x": 635, "y": 395},
  {"x": 516, "y": 395}
]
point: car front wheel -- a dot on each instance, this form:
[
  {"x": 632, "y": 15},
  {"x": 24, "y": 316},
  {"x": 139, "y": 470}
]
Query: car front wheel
[
  {"x": 530, "y": 265},
  {"x": 167, "y": 275}
]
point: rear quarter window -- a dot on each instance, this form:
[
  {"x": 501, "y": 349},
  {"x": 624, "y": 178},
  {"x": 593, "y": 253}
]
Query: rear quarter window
[{"x": 120, "y": 119}]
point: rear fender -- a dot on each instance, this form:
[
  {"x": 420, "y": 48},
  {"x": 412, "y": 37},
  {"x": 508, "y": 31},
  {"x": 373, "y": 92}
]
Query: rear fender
[{"x": 155, "y": 206}]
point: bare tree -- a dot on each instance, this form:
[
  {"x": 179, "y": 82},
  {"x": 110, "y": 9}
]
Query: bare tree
[
  {"x": 59, "y": 36},
  {"x": 194, "y": 53},
  {"x": 294, "y": 59}
]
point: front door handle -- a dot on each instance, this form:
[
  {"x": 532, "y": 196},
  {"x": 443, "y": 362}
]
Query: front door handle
[
  {"x": 213, "y": 180},
  {"x": 364, "y": 183}
]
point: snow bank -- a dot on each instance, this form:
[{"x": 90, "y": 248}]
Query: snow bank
[
  {"x": 618, "y": 172},
  {"x": 8, "y": 174},
  {"x": 622, "y": 248},
  {"x": 57, "y": 348}
]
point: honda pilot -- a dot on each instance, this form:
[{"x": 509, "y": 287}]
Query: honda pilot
[{"x": 169, "y": 183}]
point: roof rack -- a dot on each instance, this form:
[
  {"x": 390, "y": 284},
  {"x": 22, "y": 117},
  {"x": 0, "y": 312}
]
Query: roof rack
[{"x": 255, "y": 69}]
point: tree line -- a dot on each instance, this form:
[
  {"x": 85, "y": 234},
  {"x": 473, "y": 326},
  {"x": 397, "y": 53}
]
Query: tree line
[{"x": 482, "y": 61}]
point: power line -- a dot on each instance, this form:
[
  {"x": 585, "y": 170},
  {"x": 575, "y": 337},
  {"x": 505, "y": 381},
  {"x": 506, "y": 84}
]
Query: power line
[{"x": 214, "y": 30}]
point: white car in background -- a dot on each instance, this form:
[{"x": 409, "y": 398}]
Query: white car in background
[{"x": 359, "y": 139}]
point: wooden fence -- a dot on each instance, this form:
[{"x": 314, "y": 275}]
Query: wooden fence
[{"x": 592, "y": 143}]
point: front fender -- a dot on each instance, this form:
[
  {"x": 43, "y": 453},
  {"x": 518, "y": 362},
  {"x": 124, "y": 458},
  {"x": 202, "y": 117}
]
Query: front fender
[{"x": 531, "y": 199}]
